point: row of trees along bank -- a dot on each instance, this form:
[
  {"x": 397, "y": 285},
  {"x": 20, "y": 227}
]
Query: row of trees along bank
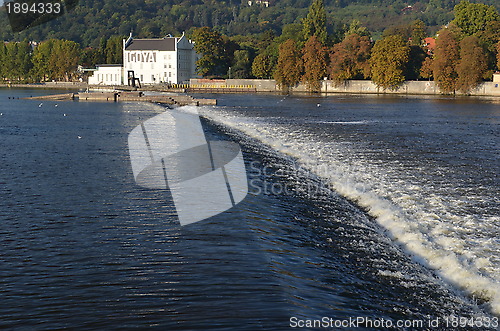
[
  {"x": 27, "y": 62},
  {"x": 467, "y": 52}
]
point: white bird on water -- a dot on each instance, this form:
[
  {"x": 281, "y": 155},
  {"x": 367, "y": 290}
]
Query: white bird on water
[
  {"x": 318, "y": 105},
  {"x": 79, "y": 137},
  {"x": 40, "y": 105},
  {"x": 64, "y": 114}
]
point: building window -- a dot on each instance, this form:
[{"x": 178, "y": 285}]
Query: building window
[{"x": 169, "y": 74}]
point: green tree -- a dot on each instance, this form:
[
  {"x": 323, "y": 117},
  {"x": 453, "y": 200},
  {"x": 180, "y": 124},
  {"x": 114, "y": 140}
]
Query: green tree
[
  {"x": 241, "y": 64},
  {"x": 64, "y": 59},
  {"x": 262, "y": 66},
  {"x": 446, "y": 57},
  {"x": 474, "y": 17},
  {"x": 42, "y": 71},
  {"x": 315, "y": 22},
  {"x": 356, "y": 28},
  {"x": 472, "y": 65},
  {"x": 114, "y": 50},
  {"x": 314, "y": 60},
  {"x": 388, "y": 62},
  {"x": 418, "y": 33},
  {"x": 24, "y": 60},
  {"x": 289, "y": 68},
  {"x": 349, "y": 59},
  {"x": 210, "y": 45},
  {"x": 3, "y": 59}
]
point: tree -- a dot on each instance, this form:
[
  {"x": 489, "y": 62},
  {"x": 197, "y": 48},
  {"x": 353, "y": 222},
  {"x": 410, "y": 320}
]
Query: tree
[
  {"x": 210, "y": 45},
  {"x": 315, "y": 22},
  {"x": 349, "y": 59},
  {"x": 241, "y": 65},
  {"x": 498, "y": 55},
  {"x": 3, "y": 60},
  {"x": 472, "y": 65},
  {"x": 42, "y": 70},
  {"x": 64, "y": 59},
  {"x": 314, "y": 60},
  {"x": 262, "y": 66},
  {"x": 474, "y": 17},
  {"x": 446, "y": 57},
  {"x": 113, "y": 52},
  {"x": 356, "y": 28},
  {"x": 418, "y": 33},
  {"x": 289, "y": 68},
  {"x": 23, "y": 60},
  {"x": 426, "y": 69},
  {"x": 388, "y": 61},
  {"x": 56, "y": 60},
  {"x": 416, "y": 59}
]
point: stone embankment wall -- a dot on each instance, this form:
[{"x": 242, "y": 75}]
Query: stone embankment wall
[{"x": 352, "y": 86}]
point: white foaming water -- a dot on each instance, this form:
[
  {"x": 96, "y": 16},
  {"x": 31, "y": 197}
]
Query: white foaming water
[{"x": 423, "y": 216}]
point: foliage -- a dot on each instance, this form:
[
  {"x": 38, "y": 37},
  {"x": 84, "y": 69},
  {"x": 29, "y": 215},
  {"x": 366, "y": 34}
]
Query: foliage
[
  {"x": 264, "y": 64},
  {"x": 498, "y": 55},
  {"x": 315, "y": 22},
  {"x": 357, "y": 28},
  {"x": 210, "y": 45},
  {"x": 417, "y": 57},
  {"x": 427, "y": 67},
  {"x": 472, "y": 65},
  {"x": 289, "y": 67},
  {"x": 349, "y": 59},
  {"x": 418, "y": 33},
  {"x": 314, "y": 60},
  {"x": 242, "y": 64},
  {"x": 15, "y": 61},
  {"x": 446, "y": 57},
  {"x": 388, "y": 62},
  {"x": 474, "y": 17}
]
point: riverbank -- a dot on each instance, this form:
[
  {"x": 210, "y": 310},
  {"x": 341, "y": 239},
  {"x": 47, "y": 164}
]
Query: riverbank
[
  {"x": 329, "y": 86},
  {"x": 490, "y": 89}
]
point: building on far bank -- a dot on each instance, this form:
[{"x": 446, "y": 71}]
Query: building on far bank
[
  {"x": 107, "y": 74},
  {"x": 170, "y": 60},
  {"x": 154, "y": 61}
]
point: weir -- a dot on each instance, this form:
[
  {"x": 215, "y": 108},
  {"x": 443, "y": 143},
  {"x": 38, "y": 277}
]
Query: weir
[{"x": 178, "y": 100}]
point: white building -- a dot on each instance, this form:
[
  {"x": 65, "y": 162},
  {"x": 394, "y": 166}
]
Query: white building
[
  {"x": 107, "y": 74},
  {"x": 154, "y": 61}
]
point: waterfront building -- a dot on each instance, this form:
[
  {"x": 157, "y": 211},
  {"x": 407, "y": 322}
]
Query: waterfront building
[
  {"x": 107, "y": 74},
  {"x": 169, "y": 60}
]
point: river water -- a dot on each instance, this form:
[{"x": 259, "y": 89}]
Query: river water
[{"x": 382, "y": 208}]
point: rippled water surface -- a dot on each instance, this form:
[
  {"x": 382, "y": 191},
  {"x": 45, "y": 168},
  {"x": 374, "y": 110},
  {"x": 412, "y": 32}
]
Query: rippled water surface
[{"x": 358, "y": 206}]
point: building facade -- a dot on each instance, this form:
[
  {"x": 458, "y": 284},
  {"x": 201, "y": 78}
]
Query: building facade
[
  {"x": 155, "y": 61},
  {"x": 107, "y": 74}
]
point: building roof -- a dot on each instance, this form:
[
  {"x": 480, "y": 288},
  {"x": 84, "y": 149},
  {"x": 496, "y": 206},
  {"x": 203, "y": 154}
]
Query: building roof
[{"x": 166, "y": 44}]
